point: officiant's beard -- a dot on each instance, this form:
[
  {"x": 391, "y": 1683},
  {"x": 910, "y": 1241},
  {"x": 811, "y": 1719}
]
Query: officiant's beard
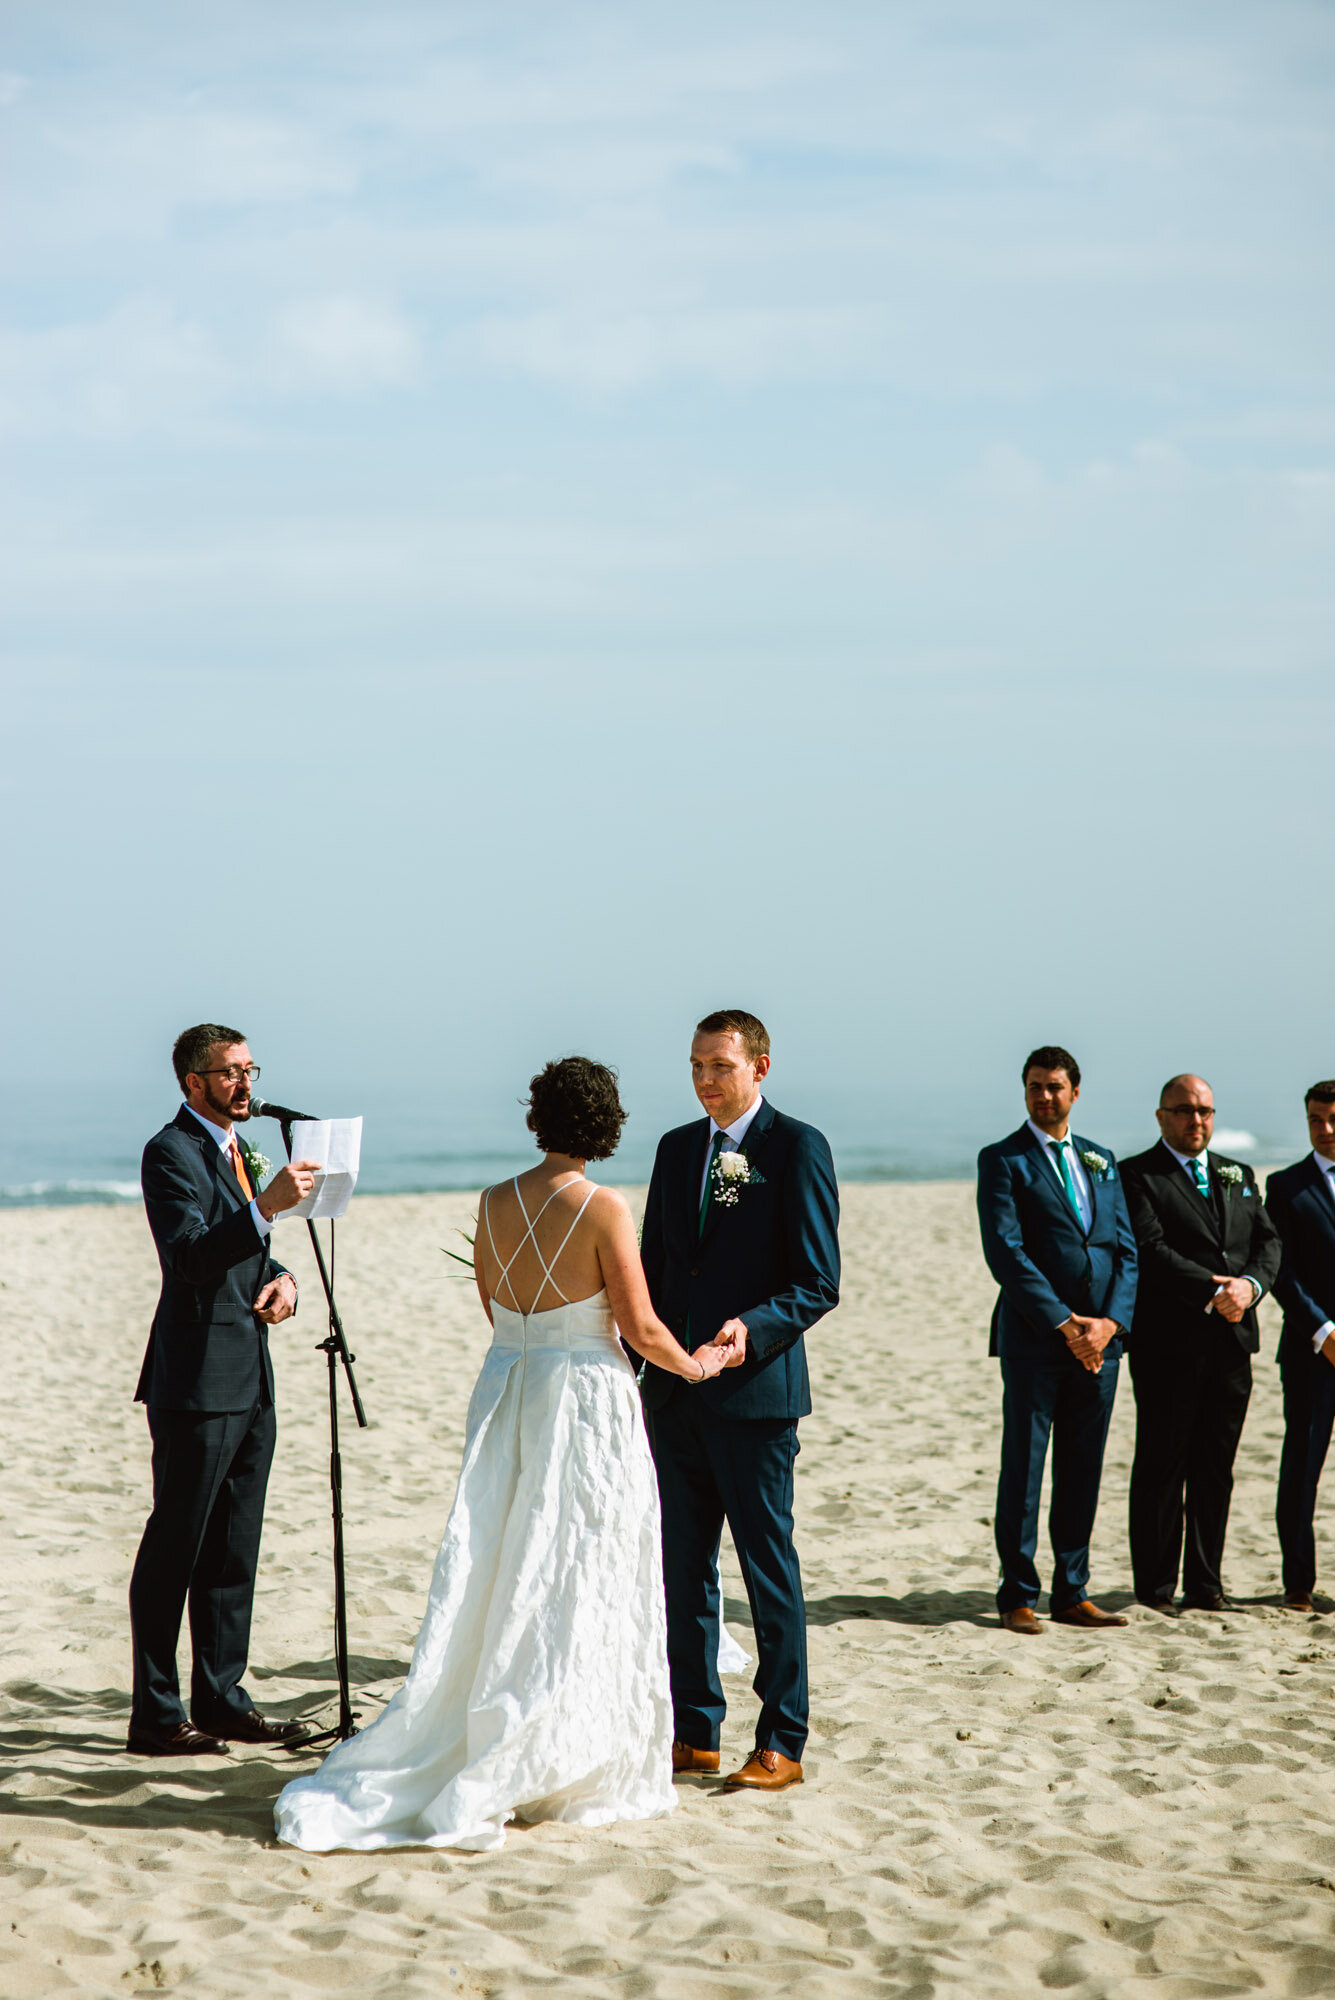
[{"x": 232, "y": 1111}]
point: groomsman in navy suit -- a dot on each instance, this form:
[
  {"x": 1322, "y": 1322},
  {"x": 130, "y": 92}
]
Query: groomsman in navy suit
[
  {"x": 1058, "y": 1241},
  {"x": 1208, "y": 1252},
  {"x": 1301, "y": 1204},
  {"x": 740, "y": 1236}
]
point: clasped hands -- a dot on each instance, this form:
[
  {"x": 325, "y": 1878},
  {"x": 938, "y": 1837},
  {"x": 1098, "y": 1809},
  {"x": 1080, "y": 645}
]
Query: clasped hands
[
  {"x": 726, "y": 1350},
  {"x": 1087, "y": 1336},
  {"x": 1234, "y": 1297}
]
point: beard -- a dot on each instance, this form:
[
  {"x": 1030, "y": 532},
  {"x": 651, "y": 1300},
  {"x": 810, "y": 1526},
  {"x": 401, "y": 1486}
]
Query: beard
[{"x": 221, "y": 1102}]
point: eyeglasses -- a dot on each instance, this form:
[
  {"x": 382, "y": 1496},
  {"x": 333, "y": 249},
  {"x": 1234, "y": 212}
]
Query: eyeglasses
[
  {"x": 235, "y": 1072},
  {"x": 1190, "y": 1110}
]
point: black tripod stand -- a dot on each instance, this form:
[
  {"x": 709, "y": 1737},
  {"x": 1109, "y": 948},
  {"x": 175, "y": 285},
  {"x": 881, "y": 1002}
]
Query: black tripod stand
[{"x": 335, "y": 1347}]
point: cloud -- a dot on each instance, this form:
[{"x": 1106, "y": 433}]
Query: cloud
[
  {"x": 142, "y": 367},
  {"x": 345, "y": 343}
]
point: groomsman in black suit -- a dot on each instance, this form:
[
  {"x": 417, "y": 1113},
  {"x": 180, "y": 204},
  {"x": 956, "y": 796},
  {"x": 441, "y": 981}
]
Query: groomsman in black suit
[
  {"x": 1301, "y": 1204},
  {"x": 1058, "y": 1242},
  {"x": 1208, "y": 1253},
  {"x": 208, "y": 1384}
]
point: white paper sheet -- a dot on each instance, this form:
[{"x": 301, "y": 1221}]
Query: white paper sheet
[{"x": 336, "y": 1143}]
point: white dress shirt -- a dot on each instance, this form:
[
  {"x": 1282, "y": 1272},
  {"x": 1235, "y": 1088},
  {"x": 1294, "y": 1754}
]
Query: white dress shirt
[
  {"x": 737, "y": 1131},
  {"x": 1328, "y": 1175},
  {"x": 1186, "y": 1162},
  {"x": 223, "y": 1139},
  {"x": 1082, "y": 1191}
]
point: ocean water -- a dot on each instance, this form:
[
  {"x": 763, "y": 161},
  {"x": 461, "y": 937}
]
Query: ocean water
[{"x": 61, "y": 1145}]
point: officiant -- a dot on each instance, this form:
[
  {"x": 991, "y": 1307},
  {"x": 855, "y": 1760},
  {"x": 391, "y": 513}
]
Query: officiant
[{"x": 208, "y": 1383}]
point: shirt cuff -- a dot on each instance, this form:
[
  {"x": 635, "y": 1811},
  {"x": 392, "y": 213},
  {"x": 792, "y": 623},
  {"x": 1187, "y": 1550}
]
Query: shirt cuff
[
  {"x": 1258, "y": 1289},
  {"x": 1319, "y": 1337},
  {"x": 263, "y": 1223}
]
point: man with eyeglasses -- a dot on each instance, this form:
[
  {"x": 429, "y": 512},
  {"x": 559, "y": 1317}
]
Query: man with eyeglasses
[
  {"x": 208, "y": 1383},
  {"x": 1208, "y": 1253}
]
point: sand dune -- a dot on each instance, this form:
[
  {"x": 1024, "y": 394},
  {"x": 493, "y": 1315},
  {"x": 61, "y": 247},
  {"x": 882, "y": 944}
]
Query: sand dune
[{"x": 1149, "y": 1813}]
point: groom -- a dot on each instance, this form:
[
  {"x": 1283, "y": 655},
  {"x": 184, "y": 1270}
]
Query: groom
[{"x": 740, "y": 1234}]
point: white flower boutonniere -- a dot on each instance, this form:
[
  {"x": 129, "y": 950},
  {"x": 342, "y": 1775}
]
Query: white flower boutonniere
[
  {"x": 259, "y": 1168},
  {"x": 1229, "y": 1174},
  {"x": 731, "y": 1173},
  {"x": 1097, "y": 1165}
]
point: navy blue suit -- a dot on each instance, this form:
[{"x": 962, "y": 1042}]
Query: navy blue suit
[
  {"x": 726, "y": 1450},
  {"x": 1049, "y": 1267},
  {"x": 1303, "y": 1212},
  {"x": 208, "y": 1383}
]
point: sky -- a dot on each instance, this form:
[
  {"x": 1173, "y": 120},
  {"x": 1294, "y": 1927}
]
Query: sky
[{"x": 522, "y": 523}]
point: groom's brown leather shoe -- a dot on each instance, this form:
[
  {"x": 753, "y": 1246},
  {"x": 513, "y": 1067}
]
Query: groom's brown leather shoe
[
  {"x": 764, "y": 1771},
  {"x": 1021, "y": 1619},
  {"x": 1297, "y": 1600},
  {"x": 182, "y": 1739},
  {"x": 1088, "y": 1615},
  {"x": 254, "y": 1728},
  {"x": 685, "y": 1757}
]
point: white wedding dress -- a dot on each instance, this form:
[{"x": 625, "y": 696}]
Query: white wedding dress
[{"x": 539, "y": 1684}]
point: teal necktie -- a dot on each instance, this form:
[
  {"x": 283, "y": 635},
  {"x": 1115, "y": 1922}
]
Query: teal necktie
[
  {"x": 1200, "y": 1176},
  {"x": 720, "y": 1139},
  {"x": 1059, "y": 1147}
]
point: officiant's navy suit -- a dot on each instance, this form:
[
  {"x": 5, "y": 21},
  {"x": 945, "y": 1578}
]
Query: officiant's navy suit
[
  {"x": 726, "y": 1450},
  {"x": 1048, "y": 1265},
  {"x": 1300, "y": 1201},
  {"x": 208, "y": 1383}
]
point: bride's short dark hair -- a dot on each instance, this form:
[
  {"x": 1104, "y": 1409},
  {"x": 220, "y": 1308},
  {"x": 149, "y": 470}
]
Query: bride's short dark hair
[{"x": 573, "y": 1107}]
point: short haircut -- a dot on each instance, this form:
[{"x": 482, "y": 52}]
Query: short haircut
[
  {"x": 1052, "y": 1057},
  {"x": 1321, "y": 1093},
  {"x": 191, "y": 1053},
  {"x": 574, "y": 1107},
  {"x": 754, "y": 1034}
]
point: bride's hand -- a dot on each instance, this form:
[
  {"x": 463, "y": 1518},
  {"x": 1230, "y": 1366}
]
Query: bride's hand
[
  {"x": 713, "y": 1359},
  {"x": 731, "y": 1337}
]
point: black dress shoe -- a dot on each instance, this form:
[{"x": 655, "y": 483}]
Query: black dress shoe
[
  {"x": 1216, "y": 1601},
  {"x": 253, "y": 1728},
  {"x": 1164, "y": 1605},
  {"x": 181, "y": 1740}
]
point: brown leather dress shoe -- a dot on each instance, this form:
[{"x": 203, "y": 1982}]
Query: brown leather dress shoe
[
  {"x": 685, "y": 1757},
  {"x": 1165, "y": 1606},
  {"x": 1297, "y": 1601},
  {"x": 253, "y": 1728},
  {"x": 1089, "y": 1616},
  {"x": 181, "y": 1740},
  {"x": 764, "y": 1771},
  {"x": 1021, "y": 1619},
  {"x": 1216, "y": 1601}
]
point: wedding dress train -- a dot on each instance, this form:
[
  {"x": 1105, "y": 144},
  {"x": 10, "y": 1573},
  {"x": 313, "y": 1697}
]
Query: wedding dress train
[{"x": 539, "y": 1685}]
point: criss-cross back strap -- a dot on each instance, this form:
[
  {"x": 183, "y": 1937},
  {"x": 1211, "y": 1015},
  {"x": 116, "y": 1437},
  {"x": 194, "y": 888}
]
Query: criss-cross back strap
[{"x": 529, "y": 1236}]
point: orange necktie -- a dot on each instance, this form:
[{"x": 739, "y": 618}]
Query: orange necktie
[{"x": 238, "y": 1168}]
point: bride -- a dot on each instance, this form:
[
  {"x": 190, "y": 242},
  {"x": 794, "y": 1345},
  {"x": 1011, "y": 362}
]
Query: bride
[{"x": 539, "y": 1686}]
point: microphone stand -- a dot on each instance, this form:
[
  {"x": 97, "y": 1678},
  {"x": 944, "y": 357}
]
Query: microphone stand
[{"x": 335, "y": 1347}]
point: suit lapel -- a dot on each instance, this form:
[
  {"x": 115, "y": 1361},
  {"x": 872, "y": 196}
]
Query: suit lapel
[
  {"x": 1189, "y": 1196},
  {"x": 1045, "y": 1177},
  {"x": 757, "y": 1132},
  {"x": 216, "y": 1162}
]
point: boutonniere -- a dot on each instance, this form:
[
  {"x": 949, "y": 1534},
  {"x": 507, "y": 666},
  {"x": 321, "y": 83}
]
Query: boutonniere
[
  {"x": 1230, "y": 1175},
  {"x": 259, "y": 1168},
  {"x": 732, "y": 1172},
  {"x": 1097, "y": 1165}
]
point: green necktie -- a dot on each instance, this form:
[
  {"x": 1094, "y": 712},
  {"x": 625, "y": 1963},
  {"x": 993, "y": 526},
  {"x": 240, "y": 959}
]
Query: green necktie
[
  {"x": 1201, "y": 1177},
  {"x": 1059, "y": 1147},
  {"x": 708, "y": 1195}
]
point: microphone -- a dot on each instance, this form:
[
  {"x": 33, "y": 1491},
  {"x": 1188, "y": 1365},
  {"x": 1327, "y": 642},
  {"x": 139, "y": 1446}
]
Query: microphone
[{"x": 260, "y": 1108}]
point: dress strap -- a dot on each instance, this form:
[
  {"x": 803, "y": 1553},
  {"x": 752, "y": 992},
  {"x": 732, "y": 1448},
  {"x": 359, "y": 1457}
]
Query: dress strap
[
  {"x": 529, "y": 1236},
  {"x": 548, "y": 1269}
]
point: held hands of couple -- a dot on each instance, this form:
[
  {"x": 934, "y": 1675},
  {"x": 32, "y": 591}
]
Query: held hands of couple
[
  {"x": 726, "y": 1350},
  {"x": 1087, "y": 1336}
]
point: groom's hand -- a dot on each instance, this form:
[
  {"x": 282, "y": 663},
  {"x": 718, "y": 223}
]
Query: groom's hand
[
  {"x": 732, "y": 1334},
  {"x": 277, "y": 1300},
  {"x": 1086, "y": 1339}
]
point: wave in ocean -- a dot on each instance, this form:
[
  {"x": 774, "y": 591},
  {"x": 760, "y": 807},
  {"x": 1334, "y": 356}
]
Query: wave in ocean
[{"x": 64, "y": 1194}]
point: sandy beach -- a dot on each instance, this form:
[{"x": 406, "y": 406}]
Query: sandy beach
[{"x": 1149, "y": 1813}]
